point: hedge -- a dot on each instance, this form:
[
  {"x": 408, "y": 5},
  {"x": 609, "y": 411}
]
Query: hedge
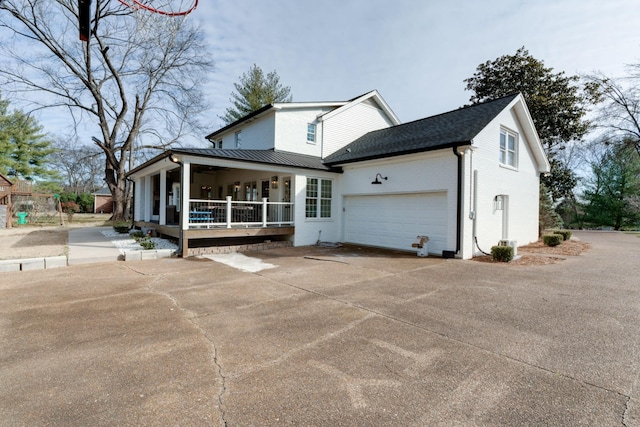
[
  {"x": 502, "y": 253},
  {"x": 566, "y": 234},
  {"x": 552, "y": 239}
]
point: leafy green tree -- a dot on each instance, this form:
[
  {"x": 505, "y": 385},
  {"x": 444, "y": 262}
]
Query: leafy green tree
[
  {"x": 47, "y": 187},
  {"x": 555, "y": 100},
  {"x": 571, "y": 210},
  {"x": 85, "y": 201},
  {"x": 254, "y": 91},
  {"x": 612, "y": 191},
  {"x": 25, "y": 151}
]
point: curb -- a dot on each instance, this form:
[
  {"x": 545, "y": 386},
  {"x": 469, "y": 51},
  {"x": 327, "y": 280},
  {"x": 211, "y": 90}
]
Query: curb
[
  {"x": 150, "y": 254},
  {"x": 27, "y": 264},
  {"x": 45, "y": 263}
]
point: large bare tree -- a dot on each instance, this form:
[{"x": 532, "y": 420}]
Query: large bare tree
[
  {"x": 619, "y": 106},
  {"x": 80, "y": 165},
  {"x": 137, "y": 80}
]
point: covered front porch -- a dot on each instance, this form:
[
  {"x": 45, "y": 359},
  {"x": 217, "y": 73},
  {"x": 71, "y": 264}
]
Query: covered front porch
[{"x": 211, "y": 202}]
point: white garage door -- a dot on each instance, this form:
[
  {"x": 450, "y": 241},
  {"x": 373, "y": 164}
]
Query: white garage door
[{"x": 394, "y": 221}]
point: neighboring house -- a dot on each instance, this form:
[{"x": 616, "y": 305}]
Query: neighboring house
[
  {"x": 5, "y": 189},
  {"x": 10, "y": 194},
  {"x": 102, "y": 201},
  {"x": 350, "y": 172}
]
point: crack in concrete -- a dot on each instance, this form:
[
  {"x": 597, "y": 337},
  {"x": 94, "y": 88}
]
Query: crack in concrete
[
  {"x": 627, "y": 415},
  {"x": 625, "y": 412},
  {"x": 325, "y": 259},
  {"x": 191, "y": 317}
]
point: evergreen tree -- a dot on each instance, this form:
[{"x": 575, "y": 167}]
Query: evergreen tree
[
  {"x": 547, "y": 217},
  {"x": 254, "y": 92},
  {"x": 24, "y": 149},
  {"x": 613, "y": 190}
]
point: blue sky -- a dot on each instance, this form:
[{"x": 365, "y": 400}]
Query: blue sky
[{"x": 415, "y": 53}]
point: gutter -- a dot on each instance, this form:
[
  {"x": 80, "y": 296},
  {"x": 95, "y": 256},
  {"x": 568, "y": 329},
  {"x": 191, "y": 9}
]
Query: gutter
[{"x": 459, "y": 201}]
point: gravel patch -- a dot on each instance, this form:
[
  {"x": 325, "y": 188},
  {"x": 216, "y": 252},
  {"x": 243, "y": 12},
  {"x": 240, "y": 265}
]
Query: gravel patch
[{"x": 125, "y": 242}]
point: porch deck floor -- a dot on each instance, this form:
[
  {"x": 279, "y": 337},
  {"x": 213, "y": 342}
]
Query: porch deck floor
[{"x": 247, "y": 231}]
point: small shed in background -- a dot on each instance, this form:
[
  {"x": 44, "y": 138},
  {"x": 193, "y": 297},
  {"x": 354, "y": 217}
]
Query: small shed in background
[{"x": 103, "y": 201}]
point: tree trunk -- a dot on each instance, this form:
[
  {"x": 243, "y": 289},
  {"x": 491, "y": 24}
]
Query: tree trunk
[{"x": 119, "y": 193}]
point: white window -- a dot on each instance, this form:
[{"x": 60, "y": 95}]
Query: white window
[
  {"x": 220, "y": 144},
  {"x": 508, "y": 148},
  {"x": 238, "y": 139},
  {"x": 311, "y": 133},
  {"x": 318, "y": 198}
]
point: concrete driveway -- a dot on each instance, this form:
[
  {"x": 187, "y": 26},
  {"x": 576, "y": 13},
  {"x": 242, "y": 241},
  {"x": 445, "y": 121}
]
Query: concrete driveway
[{"x": 326, "y": 337}]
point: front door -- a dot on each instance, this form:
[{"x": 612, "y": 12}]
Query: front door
[{"x": 250, "y": 192}]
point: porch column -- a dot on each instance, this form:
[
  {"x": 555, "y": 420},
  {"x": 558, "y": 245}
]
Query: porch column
[
  {"x": 185, "y": 180},
  {"x": 148, "y": 199},
  {"x": 185, "y": 197},
  {"x": 163, "y": 198},
  {"x": 228, "y": 211},
  {"x": 137, "y": 199},
  {"x": 264, "y": 212}
]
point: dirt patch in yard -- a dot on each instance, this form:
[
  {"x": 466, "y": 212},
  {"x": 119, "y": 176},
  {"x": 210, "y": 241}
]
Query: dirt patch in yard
[
  {"x": 571, "y": 247},
  {"x": 539, "y": 254},
  {"x": 32, "y": 242}
]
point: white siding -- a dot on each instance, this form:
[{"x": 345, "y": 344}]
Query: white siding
[
  {"x": 291, "y": 131},
  {"x": 521, "y": 185},
  {"x": 308, "y": 231},
  {"x": 256, "y": 135},
  {"x": 350, "y": 124},
  {"x": 426, "y": 174}
]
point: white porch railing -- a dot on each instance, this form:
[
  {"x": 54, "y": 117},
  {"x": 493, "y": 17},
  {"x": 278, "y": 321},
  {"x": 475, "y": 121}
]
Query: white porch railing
[{"x": 229, "y": 213}]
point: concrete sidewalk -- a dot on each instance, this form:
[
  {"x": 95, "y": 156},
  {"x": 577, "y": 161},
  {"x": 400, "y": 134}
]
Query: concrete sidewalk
[{"x": 88, "y": 245}]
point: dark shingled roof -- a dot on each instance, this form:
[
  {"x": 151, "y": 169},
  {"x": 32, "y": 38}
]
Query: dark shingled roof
[
  {"x": 271, "y": 157},
  {"x": 457, "y": 127}
]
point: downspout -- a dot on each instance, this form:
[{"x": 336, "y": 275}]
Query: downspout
[
  {"x": 459, "y": 202},
  {"x": 182, "y": 212}
]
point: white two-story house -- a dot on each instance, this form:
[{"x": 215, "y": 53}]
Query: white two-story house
[{"x": 300, "y": 173}]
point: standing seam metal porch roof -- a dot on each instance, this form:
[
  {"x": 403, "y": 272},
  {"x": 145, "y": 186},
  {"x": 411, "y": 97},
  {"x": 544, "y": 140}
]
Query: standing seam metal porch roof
[
  {"x": 270, "y": 157},
  {"x": 457, "y": 127}
]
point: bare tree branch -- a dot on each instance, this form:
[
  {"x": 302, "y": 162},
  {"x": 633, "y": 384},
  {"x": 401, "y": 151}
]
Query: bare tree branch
[
  {"x": 139, "y": 76},
  {"x": 619, "y": 111}
]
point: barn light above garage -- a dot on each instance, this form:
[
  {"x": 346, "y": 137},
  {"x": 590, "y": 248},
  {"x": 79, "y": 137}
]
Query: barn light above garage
[{"x": 377, "y": 181}]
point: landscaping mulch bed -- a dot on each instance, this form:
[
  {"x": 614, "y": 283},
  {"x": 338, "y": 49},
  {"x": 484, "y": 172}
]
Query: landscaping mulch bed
[{"x": 539, "y": 254}]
